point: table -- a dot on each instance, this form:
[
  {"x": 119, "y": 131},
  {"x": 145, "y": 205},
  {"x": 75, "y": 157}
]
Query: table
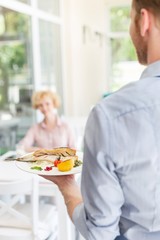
[{"x": 9, "y": 172}]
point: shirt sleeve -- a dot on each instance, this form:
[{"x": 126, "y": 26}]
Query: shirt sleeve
[
  {"x": 98, "y": 216},
  {"x": 29, "y": 139}
]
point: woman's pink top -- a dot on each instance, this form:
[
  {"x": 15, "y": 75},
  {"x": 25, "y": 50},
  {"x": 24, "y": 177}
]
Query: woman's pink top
[{"x": 38, "y": 135}]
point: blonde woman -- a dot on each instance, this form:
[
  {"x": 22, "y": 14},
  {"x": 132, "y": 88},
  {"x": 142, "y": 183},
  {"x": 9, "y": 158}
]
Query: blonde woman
[{"x": 53, "y": 131}]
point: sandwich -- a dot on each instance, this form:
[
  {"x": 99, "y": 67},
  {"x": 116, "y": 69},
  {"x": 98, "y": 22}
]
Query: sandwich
[
  {"x": 63, "y": 158},
  {"x": 61, "y": 153}
]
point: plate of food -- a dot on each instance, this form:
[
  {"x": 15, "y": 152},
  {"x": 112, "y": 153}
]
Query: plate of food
[{"x": 51, "y": 162}]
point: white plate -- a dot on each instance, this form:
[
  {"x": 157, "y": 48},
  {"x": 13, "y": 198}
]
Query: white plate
[
  {"x": 26, "y": 166},
  {"x": 54, "y": 172}
]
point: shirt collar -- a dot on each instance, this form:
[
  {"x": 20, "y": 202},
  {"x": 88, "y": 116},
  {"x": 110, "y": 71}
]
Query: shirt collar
[
  {"x": 153, "y": 70},
  {"x": 58, "y": 123}
]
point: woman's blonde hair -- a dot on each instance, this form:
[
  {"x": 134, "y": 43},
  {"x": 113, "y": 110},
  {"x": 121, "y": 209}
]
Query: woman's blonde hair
[{"x": 39, "y": 95}]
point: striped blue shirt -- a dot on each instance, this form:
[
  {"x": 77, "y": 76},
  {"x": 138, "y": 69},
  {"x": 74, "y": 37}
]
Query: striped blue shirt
[{"x": 121, "y": 171}]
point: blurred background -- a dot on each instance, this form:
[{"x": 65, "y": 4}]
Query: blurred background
[{"x": 81, "y": 49}]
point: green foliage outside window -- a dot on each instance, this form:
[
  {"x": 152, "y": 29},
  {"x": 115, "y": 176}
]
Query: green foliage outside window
[
  {"x": 122, "y": 49},
  {"x": 14, "y": 50},
  {"x": 120, "y": 18}
]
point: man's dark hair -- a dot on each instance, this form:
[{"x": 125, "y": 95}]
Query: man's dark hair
[{"x": 150, "y": 5}]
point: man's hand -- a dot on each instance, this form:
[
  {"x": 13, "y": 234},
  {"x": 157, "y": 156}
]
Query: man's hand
[{"x": 60, "y": 181}]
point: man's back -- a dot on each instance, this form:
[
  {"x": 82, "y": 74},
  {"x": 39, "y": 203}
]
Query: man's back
[{"x": 134, "y": 114}]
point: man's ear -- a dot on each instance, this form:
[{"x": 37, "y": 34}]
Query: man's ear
[{"x": 144, "y": 22}]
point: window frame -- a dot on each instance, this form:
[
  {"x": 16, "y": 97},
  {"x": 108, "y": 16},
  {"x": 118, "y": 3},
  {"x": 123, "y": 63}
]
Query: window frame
[{"x": 36, "y": 14}]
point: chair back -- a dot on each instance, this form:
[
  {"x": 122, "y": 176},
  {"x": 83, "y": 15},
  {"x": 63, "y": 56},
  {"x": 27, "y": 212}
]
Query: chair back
[
  {"x": 78, "y": 126},
  {"x": 15, "y": 213}
]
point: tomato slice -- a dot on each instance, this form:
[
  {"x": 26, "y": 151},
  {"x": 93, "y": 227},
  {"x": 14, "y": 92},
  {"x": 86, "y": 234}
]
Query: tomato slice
[{"x": 56, "y": 162}]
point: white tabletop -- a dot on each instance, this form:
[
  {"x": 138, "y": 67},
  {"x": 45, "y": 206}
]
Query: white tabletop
[{"x": 9, "y": 172}]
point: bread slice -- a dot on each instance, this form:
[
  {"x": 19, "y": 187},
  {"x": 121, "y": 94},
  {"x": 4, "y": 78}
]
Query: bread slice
[
  {"x": 62, "y": 152},
  {"x": 50, "y": 155},
  {"x": 52, "y": 158}
]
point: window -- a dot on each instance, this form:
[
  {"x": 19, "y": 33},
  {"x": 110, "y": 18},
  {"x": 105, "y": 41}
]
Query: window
[
  {"x": 30, "y": 51},
  {"x": 50, "y": 53},
  {"x": 50, "y": 6},
  {"x": 30, "y": 55},
  {"x": 16, "y": 70},
  {"x": 50, "y": 57},
  {"x": 123, "y": 55}
]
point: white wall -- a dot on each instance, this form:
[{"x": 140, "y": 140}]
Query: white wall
[
  {"x": 119, "y": 2},
  {"x": 84, "y": 61}
]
